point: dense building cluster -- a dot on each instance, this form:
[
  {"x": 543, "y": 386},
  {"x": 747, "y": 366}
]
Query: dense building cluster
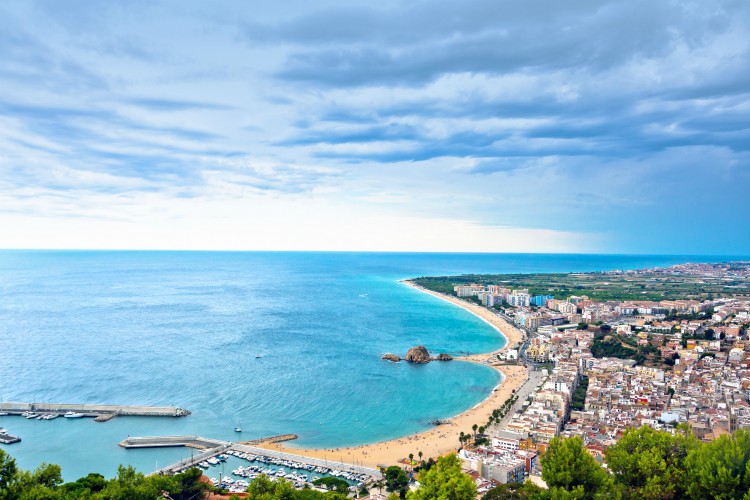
[{"x": 696, "y": 371}]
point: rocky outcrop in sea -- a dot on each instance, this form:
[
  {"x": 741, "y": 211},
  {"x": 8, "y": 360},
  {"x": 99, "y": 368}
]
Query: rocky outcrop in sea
[
  {"x": 443, "y": 357},
  {"x": 417, "y": 354}
]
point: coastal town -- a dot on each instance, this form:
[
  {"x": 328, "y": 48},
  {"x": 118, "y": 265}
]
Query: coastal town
[
  {"x": 605, "y": 366},
  {"x": 572, "y": 366}
]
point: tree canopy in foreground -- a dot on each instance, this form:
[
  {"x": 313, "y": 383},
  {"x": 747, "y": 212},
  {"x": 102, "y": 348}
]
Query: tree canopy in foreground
[
  {"x": 444, "y": 481},
  {"x": 644, "y": 464}
]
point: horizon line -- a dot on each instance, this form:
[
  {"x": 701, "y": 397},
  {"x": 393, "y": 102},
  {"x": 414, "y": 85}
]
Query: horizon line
[{"x": 460, "y": 252}]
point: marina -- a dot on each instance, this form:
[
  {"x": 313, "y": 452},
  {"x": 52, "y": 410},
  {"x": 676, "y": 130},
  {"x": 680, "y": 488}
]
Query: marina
[{"x": 245, "y": 462}]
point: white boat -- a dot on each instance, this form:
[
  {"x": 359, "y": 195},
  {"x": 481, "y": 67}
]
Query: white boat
[
  {"x": 4, "y": 413},
  {"x": 72, "y": 414},
  {"x": 3, "y": 430}
]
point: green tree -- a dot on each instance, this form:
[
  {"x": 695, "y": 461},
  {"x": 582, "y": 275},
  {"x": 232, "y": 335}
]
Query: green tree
[
  {"x": 650, "y": 464},
  {"x": 8, "y": 472},
  {"x": 513, "y": 491},
  {"x": 720, "y": 469},
  {"x": 445, "y": 481},
  {"x": 566, "y": 465},
  {"x": 333, "y": 483},
  {"x": 85, "y": 486},
  {"x": 396, "y": 480},
  {"x": 260, "y": 487},
  {"x": 379, "y": 484},
  {"x": 38, "y": 485},
  {"x": 186, "y": 485}
]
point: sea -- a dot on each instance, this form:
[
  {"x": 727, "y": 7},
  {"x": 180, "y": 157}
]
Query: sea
[{"x": 274, "y": 342}]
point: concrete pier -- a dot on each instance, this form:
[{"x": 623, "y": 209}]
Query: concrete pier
[
  {"x": 271, "y": 439},
  {"x": 172, "y": 441},
  {"x": 8, "y": 439},
  {"x": 100, "y": 411}
]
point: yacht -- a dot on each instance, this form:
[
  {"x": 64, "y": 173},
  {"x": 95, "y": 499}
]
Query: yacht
[
  {"x": 3, "y": 430},
  {"x": 72, "y": 414}
]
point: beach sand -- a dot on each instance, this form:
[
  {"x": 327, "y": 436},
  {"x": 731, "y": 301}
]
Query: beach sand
[{"x": 443, "y": 438}]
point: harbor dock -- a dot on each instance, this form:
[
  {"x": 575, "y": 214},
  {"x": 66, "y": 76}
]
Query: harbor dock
[
  {"x": 214, "y": 447},
  {"x": 196, "y": 442},
  {"x": 101, "y": 413},
  {"x": 6, "y": 438},
  {"x": 172, "y": 441}
]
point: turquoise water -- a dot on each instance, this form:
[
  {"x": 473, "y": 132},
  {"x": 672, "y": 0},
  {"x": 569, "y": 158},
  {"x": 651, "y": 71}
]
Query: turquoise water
[{"x": 184, "y": 328}]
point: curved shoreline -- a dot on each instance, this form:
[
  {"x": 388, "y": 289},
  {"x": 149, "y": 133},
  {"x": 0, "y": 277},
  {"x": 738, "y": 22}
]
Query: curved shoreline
[
  {"x": 511, "y": 333},
  {"x": 442, "y": 438}
]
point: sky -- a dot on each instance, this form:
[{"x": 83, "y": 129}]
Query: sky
[{"x": 476, "y": 126}]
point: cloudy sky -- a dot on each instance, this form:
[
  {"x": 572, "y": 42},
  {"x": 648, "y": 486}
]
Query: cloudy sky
[{"x": 480, "y": 125}]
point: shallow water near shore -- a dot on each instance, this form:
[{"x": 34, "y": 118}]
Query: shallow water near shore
[{"x": 184, "y": 329}]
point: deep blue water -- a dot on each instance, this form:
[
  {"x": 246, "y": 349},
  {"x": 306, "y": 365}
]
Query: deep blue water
[{"x": 184, "y": 328}]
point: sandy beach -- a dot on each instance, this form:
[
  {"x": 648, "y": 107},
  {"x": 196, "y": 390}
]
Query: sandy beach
[
  {"x": 443, "y": 438},
  {"x": 509, "y": 331}
]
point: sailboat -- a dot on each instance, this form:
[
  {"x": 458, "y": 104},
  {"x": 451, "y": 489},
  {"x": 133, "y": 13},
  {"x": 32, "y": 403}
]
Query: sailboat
[{"x": 238, "y": 428}]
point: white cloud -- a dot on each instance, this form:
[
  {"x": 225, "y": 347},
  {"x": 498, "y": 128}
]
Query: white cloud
[{"x": 436, "y": 125}]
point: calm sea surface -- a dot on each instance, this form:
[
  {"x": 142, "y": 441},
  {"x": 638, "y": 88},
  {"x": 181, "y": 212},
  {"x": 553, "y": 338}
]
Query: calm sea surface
[{"x": 184, "y": 328}]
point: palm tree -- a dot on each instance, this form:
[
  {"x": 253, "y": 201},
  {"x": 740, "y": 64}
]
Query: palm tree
[
  {"x": 379, "y": 485},
  {"x": 420, "y": 457},
  {"x": 411, "y": 458},
  {"x": 461, "y": 438},
  {"x": 474, "y": 428}
]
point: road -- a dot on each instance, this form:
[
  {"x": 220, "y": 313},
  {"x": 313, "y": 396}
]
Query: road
[{"x": 536, "y": 376}]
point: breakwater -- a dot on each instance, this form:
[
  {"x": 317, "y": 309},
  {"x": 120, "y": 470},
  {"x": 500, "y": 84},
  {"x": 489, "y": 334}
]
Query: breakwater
[{"x": 101, "y": 413}]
